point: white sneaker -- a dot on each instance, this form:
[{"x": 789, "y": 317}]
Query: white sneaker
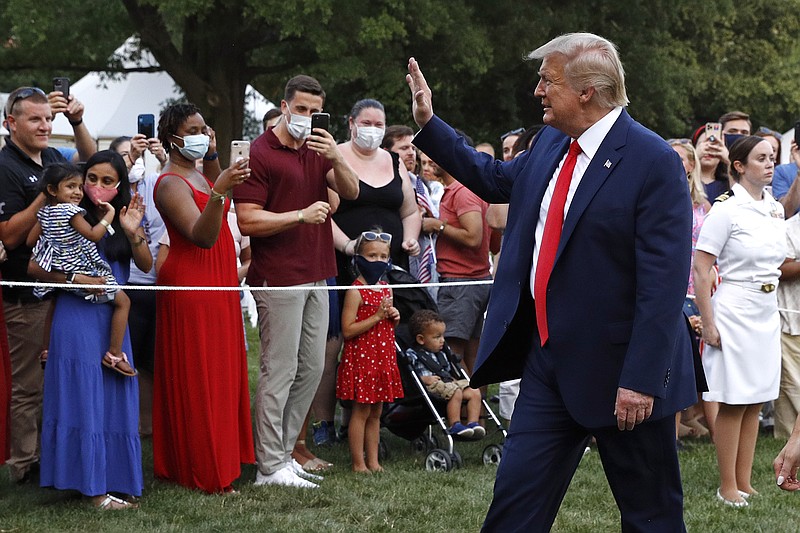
[
  {"x": 286, "y": 477},
  {"x": 297, "y": 469}
]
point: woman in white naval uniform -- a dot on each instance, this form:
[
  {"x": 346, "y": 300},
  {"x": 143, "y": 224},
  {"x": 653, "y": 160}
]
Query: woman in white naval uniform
[{"x": 746, "y": 236}]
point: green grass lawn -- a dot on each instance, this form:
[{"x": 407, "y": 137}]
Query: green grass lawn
[{"x": 405, "y": 498}]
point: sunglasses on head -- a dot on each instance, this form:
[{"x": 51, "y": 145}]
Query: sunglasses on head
[
  {"x": 766, "y": 131},
  {"x": 373, "y": 236},
  {"x": 679, "y": 141},
  {"x": 518, "y": 131},
  {"x": 21, "y": 94}
]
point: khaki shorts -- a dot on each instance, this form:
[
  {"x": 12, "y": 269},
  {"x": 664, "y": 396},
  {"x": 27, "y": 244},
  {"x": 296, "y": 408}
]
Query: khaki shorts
[{"x": 445, "y": 391}]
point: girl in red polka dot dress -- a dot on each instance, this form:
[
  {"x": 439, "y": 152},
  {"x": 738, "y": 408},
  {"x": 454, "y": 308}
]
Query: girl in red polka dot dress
[{"x": 368, "y": 373}]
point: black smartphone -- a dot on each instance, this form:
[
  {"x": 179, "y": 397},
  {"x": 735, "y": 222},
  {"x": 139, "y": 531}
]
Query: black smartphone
[
  {"x": 61, "y": 84},
  {"x": 797, "y": 132},
  {"x": 147, "y": 125},
  {"x": 321, "y": 121}
]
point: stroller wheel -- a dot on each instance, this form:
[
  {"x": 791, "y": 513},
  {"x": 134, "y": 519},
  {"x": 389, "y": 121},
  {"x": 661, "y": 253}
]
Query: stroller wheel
[
  {"x": 456, "y": 459},
  {"x": 492, "y": 454},
  {"x": 438, "y": 460}
]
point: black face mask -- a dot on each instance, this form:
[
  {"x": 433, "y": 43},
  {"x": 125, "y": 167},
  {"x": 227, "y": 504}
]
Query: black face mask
[{"x": 371, "y": 271}]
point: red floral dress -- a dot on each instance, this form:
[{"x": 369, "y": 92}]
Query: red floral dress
[{"x": 368, "y": 372}]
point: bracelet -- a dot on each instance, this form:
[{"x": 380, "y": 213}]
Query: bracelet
[
  {"x": 76, "y": 123},
  {"x": 140, "y": 241},
  {"x": 107, "y": 225},
  {"x": 212, "y": 157},
  {"x": 218, "y": 196},
  {"x": 300, "y": 217}
]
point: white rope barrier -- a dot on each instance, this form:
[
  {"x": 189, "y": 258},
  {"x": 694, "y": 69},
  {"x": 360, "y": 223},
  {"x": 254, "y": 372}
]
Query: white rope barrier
[{"x": 237, "y": 288}]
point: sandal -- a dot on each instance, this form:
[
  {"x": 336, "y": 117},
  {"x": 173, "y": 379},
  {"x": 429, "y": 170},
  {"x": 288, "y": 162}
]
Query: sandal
[
  {"x": 317, "y": 465},
  {"x": 112, "y": 503},
  {"x": 229, "y": 491},
  {"x": 307, "y": 460},
  {"x": 120, "y": 364},
  {"x": 699, "y": 429}
]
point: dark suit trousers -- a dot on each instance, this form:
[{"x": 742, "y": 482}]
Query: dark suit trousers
[{"x": 545, "y": 445}]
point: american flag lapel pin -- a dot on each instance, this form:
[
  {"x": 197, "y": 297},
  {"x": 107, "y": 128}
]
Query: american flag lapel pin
[{"x": 607, "y": 164}]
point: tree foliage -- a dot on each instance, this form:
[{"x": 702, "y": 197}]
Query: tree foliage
[{"x": 686, "y": 62}]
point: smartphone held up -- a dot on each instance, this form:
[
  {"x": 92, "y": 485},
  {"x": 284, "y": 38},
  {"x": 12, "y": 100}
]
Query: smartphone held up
[
  {"x": 61, "y": 84},
  {"x": 713, "y": 131},
  {"x": 321, "y": 121},
  {"x": 239, "y": 150},
  {"x": 146, "y": 125}
]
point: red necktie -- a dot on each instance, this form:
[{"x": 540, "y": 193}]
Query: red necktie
[{"x": 550, "y": 239}]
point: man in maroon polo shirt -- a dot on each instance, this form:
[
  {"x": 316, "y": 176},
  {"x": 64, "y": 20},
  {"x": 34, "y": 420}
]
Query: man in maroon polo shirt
[{"x": 283, "y": 207}]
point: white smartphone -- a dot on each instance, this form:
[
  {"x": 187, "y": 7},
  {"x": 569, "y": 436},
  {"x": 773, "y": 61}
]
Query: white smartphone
[
  {"x": 713, "y": 131},
  {"x": 239, "y": 150}
]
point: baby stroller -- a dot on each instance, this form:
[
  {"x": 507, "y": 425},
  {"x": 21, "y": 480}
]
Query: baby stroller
[{"x": 414, "y": 416}]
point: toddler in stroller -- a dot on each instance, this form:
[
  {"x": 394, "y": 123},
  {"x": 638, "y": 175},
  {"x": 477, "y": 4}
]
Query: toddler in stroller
[{"x": 442, "y": 377}]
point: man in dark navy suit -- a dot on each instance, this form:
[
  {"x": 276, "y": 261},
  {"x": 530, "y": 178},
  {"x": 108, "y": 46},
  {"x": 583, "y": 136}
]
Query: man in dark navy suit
[{"x": 586, "y": 305}]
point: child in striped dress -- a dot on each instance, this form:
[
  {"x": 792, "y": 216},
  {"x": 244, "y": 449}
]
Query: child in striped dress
[{"x": 64, "y": 241}]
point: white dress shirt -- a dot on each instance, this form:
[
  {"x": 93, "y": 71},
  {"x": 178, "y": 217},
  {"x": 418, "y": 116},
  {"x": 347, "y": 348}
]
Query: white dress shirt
[{"x": 590, "y": 142}]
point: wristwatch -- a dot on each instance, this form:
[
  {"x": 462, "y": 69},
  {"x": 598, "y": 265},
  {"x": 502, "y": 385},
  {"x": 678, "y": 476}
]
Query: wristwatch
[
  {"x": 441, "y": 227},
  {"x": 71, "y": 277}
]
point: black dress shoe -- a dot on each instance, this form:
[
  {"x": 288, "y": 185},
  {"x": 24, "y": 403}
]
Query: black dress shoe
[{"x": 30, "y": 475}]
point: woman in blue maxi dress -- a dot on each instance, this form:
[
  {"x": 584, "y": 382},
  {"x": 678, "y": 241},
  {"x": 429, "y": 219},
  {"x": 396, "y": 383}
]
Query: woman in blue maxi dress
[{"x": 90, "y": 439}]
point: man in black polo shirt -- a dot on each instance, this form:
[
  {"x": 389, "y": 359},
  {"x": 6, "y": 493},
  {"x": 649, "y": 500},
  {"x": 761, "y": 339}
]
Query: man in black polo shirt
[{"x": 29, "y": 115}]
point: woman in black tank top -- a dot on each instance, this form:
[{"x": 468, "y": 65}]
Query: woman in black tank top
[{"x": 386, "y": 198}]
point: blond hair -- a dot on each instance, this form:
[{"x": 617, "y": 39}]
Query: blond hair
[
  {"x": 696, "y": 189},
  {"x": 592, "y": 61}
]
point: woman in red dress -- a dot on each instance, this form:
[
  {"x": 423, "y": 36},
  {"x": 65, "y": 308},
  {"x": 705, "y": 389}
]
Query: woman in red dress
[{"x": 202, "y": 431}]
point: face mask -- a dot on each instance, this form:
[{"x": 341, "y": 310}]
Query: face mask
[
  {"x": 194, "y": 146},
  {"x": 369, "y": 137},
  {"x": 99, "y": 194},
  {"x": 299, "y": 126},
  {"x": 136, "y": 173},
  {"x": 371, "y": 271}
]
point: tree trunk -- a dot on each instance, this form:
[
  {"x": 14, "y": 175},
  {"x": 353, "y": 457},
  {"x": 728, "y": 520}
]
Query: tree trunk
[{"x": 210, "y": 67}]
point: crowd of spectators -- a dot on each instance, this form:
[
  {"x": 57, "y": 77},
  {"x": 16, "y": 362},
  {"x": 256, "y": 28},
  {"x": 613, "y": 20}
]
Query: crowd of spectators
[{"x": 299, "y": 213}]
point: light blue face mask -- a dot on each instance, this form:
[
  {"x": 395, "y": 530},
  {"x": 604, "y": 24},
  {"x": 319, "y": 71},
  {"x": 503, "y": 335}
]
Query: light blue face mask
[{"x": 194, "y": 146}]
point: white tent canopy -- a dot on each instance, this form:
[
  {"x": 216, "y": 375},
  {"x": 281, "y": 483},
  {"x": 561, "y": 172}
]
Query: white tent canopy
[{"x": 112, "y": 104}]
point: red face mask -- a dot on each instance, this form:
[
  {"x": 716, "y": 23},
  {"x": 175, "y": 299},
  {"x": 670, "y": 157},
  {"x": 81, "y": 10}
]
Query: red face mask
[{"x": 99, "y": 194}]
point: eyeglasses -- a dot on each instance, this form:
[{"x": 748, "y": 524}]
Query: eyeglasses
[
  {"x": 21, "y": 94},
  {"x": 678, "y": 141},
  {"x": 518, "y": 131},
  {"x": 373, "y": 236}
]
